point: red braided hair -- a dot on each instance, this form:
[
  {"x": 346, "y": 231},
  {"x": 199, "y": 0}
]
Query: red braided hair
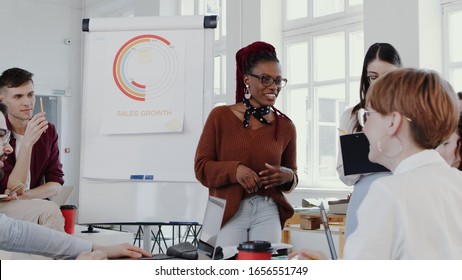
[{"x": 246, "y": 59}]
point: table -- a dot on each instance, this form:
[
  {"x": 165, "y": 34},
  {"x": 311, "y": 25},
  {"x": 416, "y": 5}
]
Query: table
[
  {"x": 145, "y": 233},
  {"x": 336, "y": 222},
  {"x": 104, "y": 237}
]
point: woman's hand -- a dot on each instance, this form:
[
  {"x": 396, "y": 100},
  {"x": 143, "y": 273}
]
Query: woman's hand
[
  {"x": 275, "y": 176},
  {"x": 248, "y": 179}
]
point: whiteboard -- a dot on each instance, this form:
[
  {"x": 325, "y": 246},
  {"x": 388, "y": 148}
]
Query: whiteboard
[
  {"x": 130, "y": 170},
  {"x": 119, "y": 202}
]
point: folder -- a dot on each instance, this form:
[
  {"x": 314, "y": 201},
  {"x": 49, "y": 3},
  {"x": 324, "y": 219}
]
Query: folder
[{"x": 355, "y": 155}]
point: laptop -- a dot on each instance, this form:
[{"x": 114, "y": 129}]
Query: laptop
[
  {"x": 206, "y": 248},
  {"x": 210, "y": 228},
  {"x": 355, "y": 155},
  {"x": 330, "y": 240}
]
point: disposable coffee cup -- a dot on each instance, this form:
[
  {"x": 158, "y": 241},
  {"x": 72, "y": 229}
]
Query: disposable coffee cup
[
  {"x": 254, "y": 250},
  {"x": 69, "y": 212}
]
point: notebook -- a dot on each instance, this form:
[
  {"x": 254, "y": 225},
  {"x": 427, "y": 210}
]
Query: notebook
[
  {"x": 355, "y": 155},
  {"x": 330, "y": 240}
]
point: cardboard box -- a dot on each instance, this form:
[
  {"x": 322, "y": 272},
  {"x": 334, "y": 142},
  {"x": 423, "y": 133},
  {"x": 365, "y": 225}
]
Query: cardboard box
[{"x": 309, "y": 222}]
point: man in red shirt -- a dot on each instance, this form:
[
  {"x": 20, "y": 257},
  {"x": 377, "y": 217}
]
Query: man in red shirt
[{"x": 35, "y": 162}]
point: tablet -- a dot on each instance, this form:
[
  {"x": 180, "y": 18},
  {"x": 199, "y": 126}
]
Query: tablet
[{"x": 355, "y": 155}]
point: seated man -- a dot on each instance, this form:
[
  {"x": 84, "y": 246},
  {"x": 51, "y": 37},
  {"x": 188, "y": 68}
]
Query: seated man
[
  {"x": 21, "y": 236},
  {"x": 35, "y": 162},
  {"x": 25, "y": 237}
]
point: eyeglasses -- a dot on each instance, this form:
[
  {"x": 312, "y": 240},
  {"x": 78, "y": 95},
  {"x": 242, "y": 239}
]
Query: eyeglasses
[
  {"x": 267, "y": 81},
  {"x": 363, "y": 114},
  {"x": 5, "y": 135}
]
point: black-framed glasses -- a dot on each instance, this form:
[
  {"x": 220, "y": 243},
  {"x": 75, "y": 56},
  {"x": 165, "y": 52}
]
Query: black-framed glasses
[
  {"x": 267, "y": 81},
  {"x": 5, "y": 135}
]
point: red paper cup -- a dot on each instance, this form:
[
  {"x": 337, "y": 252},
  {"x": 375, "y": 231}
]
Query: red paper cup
[
  {"x": 255, "y": 250},
  {"x": 69, "y": 213}
]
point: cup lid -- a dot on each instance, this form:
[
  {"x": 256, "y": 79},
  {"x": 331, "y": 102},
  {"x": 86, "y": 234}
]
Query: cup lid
[
  {"x": 255, "y": 246},
  {"x": 68, "y": 207}
]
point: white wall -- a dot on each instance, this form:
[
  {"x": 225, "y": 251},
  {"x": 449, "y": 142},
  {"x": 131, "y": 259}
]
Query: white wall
[
  {"x": 33, "y": 35},
  {"x": 414, "y": 27},
  {"x": 33, "y": 39}
]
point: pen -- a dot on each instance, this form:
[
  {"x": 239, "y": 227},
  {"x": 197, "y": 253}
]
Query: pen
[
  {"x": 41, "y": 104},
  {"x": 342, "y": 131}
]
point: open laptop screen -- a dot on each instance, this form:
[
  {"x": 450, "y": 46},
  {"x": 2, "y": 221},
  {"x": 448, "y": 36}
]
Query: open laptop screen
[{"x": 211, "y": 226}]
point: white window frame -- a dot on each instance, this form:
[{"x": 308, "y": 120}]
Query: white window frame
[
  {"x": 448, "y": 8},
  {"x": 219, "y": 48},
  {"x": 306, "y": 29}
]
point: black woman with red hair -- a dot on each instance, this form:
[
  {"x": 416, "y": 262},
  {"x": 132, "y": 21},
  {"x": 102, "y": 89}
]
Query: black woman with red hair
[{"x": 247, "y": 152}]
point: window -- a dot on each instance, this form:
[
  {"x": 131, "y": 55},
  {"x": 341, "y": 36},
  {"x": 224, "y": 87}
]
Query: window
[
  {"x": 453, "y": 43},
  {"x": 311, "y": 11},
  {"x": 323, "y": 53},
  {"x": 213, "y": 7}
]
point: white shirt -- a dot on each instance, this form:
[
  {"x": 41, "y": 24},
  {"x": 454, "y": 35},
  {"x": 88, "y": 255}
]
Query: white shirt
[
  {"x": 25, "y": 237},
  {"x": 413, "y": 214},
  {"x": 347, "y": 123}
]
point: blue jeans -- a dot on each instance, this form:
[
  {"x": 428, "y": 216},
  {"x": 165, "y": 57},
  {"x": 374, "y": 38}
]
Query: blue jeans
[{"x": 256, "y": 219}]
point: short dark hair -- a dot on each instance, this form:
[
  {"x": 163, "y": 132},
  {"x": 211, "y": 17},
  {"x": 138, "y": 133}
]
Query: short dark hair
[{"x": 15, "y": 77}]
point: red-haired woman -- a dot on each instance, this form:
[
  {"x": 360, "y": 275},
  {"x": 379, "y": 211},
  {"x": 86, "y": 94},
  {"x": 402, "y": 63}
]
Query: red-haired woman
[{"x": 247, "y": 152}]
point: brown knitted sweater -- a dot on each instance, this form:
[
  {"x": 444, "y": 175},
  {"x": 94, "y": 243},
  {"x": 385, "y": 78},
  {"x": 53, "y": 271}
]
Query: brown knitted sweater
[{"x": 225, "y": 143}]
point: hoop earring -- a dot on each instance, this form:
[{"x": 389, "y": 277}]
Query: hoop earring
[
  {"x": 247, "y": 94},
  {"x": 390, "y": 146}
]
